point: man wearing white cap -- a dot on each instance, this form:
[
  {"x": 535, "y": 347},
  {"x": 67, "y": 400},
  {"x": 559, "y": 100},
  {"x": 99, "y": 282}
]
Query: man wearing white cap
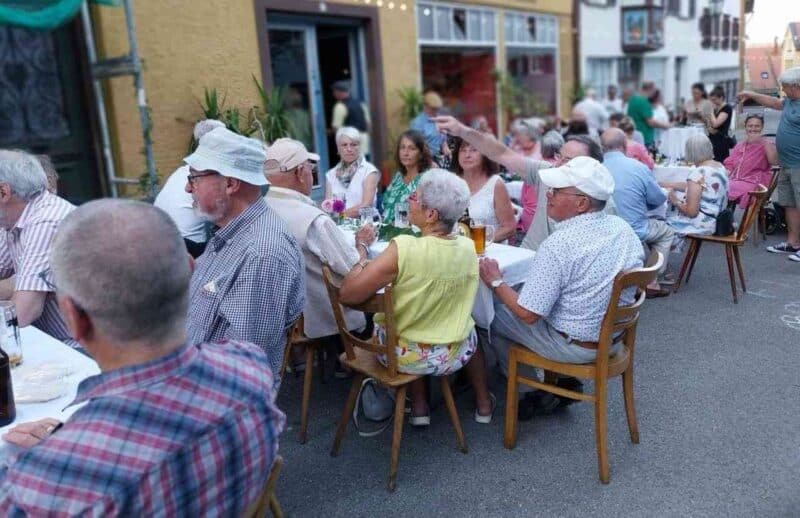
[
  {"x": 249, "y": 283},
  {"x": 178, "y": 204},
  {"x": 560, "y": 308},
  {"x": 289, "y": 169}
]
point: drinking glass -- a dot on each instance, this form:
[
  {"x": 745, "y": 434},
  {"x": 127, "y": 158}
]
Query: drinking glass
[
  {"x": 370, "y": 215},
  {"x": 9, "y": 333},
  {"x": 482, "y": 235},
  {"x": 401, "y": 215}
]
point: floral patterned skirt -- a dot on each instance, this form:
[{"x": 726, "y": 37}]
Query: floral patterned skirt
[{"x": 435, "y": 360}]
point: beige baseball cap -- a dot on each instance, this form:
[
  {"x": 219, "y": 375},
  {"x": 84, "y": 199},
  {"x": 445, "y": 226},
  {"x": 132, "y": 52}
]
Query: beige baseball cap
[
  {"x": 585, "y": 174},
  {"x": 432, "y": 99},
  {"x": 285, "y": 154}
]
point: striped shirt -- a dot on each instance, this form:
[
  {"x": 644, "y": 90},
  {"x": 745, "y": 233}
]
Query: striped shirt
[
  {"x": 25, "y": 253},
  {"x": 249, "y": 284},
  {"x": 193, "y": 433}
]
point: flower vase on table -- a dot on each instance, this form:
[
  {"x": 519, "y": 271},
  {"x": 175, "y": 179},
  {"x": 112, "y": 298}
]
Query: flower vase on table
[{"x": 334, "y": 207}]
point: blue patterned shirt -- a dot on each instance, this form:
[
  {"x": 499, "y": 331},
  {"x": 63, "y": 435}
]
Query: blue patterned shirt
[
  {"x": 572, "y": 274},
  {"x": 193, "y": 433},
  {"x": 249, "y": 284}
]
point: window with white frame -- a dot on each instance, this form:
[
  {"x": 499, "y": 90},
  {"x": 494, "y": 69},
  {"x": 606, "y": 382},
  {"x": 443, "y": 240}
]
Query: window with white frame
[
  {"x": 531, "y": 60},
  {"x": 452, "y": 24},
  {"x": 600, "y": 74},
  {"x": 655, "y": 69}
]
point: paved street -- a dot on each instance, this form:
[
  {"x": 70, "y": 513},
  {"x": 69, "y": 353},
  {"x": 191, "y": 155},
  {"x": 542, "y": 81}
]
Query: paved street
[{"x": 717, "y": 391}]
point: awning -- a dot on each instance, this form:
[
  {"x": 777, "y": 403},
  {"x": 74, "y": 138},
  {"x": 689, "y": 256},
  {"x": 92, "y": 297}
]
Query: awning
[{"x": 42, "y": 14}]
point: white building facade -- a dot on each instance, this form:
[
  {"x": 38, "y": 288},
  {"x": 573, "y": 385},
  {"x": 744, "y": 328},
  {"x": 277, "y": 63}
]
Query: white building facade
[{"x": 673, "y": 43}]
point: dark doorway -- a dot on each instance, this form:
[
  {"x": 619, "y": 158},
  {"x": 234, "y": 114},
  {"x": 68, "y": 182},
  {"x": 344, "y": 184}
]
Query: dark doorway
[
  {"x": 44, "y": 104},
  {"x": 335, "y": 45}
]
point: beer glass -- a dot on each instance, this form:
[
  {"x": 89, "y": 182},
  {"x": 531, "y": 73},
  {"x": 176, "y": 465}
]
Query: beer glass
[
  {"x": 482, "y": 235},
  {"x": 401, "y": 215},
  {"x": 9, "y": 333},
  {"x": 370, "y": 215}
]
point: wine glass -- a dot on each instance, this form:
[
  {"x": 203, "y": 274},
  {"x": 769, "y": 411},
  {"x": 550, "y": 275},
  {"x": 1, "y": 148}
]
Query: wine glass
[{"x": 370, "y": 215}]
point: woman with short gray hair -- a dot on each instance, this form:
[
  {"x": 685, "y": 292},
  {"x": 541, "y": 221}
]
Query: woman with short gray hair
[
  {"x": 695, "y": 203},
  {"x": 353, "y": 179},
  {"x": 434, "y": 280}
]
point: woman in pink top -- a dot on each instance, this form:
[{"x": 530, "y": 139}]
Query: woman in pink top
[
  {"x": 633, "y": 149},
  {"x": 550, "y": 146},
  {"x": 749, "y": 162}
]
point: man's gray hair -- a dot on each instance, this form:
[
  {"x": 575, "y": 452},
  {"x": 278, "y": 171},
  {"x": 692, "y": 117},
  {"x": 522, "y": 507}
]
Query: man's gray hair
[
  {"x": 614, "y": 139},
  {"x": 532, "y": 128},
  {"x": 447, "y": 193},
  {"x": 347, "y": 132},
  {"x": 790, "y": 76},
  {"x": 124, "y": 263},
  {"x": 23, "y": 172},
  {"x": 698, "y": 149},
  {"x": 551, "y": 144}
]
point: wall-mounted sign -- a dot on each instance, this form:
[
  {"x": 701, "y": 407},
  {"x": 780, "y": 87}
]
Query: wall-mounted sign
[
  {"x": 764, "y": 75},
  {"x": 642, "y": 28}
]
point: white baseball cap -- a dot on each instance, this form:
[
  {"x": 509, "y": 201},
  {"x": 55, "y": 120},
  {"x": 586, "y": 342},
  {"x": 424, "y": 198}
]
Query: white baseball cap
[
  {"x": 585, "y": 174},
  {"x": 285, "y": 154},
  {"x": 230, "y": 155}
]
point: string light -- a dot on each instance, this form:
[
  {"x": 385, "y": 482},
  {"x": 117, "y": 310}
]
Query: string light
[
  {"x": 402, "y": 7},
  {"x": 391, "y": 5}
]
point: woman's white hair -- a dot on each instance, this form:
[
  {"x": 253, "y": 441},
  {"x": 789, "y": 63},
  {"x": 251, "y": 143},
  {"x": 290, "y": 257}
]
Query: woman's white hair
[
  {"x": 23, "y": 172},
  {"x": 445, "y": 192},
  {"x": 791, "y": 77},
  {"x": 551, "y": 144},
  {"x": 347, "y": 132},
  {"x": 698, "y": 149}
]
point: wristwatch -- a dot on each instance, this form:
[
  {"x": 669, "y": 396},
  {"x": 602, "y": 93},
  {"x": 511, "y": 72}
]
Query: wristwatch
[{"x": 497, "y": 283}]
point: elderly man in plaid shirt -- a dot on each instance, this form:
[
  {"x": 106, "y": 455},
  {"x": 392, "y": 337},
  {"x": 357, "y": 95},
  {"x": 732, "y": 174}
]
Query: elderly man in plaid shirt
[
  {"x": 168, "y": 428},
  {"x": 249, "y": 284}
]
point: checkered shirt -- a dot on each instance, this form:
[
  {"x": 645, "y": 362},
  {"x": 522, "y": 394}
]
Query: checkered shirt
[
  {"x": 192, "y": 434},
  {"x": 249, "y": 284}
]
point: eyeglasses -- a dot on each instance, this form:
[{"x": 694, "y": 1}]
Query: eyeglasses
[
  {"x": 552, "y": 191},
  {"x": 193, "y": 177},
  {"x": 413, "y": 197}
]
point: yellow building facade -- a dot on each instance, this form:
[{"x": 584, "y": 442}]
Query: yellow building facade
[{"x": 187, "y": 46}]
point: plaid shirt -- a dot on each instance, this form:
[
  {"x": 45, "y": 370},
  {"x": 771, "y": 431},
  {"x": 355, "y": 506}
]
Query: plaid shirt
[
  {"x": 249, "y": 284},
  {"x": 193, "y": 433}
]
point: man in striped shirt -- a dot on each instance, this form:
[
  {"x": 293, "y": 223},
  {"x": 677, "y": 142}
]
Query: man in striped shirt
[
  {"x": 168, "y": 428},
  {"x": 29, "y": 217}
]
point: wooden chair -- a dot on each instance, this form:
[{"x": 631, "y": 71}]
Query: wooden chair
[
  {"x": 762, "y": 212},
  {"x": 267, "y": 499},
  {"x": 619, "y": 325},
  {"x": 362, "y": 358},
  {"x": 313, "y": 349},
  {"x": 731, "y": 242}
]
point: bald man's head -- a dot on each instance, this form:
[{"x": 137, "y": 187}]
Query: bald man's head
[
  {"x": 613, "y": 139},
  {"x": 124, "y": 263}
]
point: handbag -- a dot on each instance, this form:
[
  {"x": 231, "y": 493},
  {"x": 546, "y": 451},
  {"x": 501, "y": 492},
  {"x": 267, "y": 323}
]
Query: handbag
[
  {"x": 724, "y": 219},
  {"x": 377, "y": 404}
]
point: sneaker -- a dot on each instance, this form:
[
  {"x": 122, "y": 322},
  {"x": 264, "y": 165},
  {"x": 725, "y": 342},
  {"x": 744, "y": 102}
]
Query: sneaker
[
  {"x": 536, "y": 403},
  {"x": 419, "y": 421},
  {"x": 486, "y": 419},
  {"x": 783, "y": 248},
  {"x": 795, "y": 257}
]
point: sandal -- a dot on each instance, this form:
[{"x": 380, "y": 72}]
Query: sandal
[{"x": 486, "y": 419}]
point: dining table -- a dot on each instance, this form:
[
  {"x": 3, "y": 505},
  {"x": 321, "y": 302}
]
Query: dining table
[
  {"x": 514, "y": 263},
  {"x": 40, "y": 350},
  {"x": 673, "y": 140}
]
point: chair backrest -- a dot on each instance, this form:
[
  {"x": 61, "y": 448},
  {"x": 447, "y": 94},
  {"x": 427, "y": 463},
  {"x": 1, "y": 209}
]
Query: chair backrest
[
  {"x": 620, "y": 320},
  {"x": 756, "y": 199},
  {"x": 773, "y": 181},
  {"x": 378, "y": 303},
  {"x": 260, "y": 507}
]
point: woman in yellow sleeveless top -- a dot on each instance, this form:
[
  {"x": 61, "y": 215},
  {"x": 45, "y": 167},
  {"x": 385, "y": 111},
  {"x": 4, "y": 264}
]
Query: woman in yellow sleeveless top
[{"x": 434, "y": 279}]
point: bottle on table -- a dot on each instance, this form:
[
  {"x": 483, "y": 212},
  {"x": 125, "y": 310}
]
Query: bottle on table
[{"x": 8, "y": 411}]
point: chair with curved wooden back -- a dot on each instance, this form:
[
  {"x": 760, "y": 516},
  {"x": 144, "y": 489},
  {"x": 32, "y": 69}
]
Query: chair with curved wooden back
[
  {"x": 761, "y": 222},
  {"x": 619, "y": 325},
  {"x": 731, "y": 242},
  {"x": 362, "y": 358}
]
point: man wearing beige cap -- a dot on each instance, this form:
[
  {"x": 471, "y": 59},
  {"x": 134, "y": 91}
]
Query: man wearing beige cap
[
  {"x": 289, "y": 168},
  {"x": 249, "y": 283},
  {"x": 560, "y": 308},
  {"x": 424, "y": 123}
]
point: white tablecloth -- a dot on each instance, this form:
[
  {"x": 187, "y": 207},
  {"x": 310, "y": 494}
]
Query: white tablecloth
[
  {"x": 514, "y": 264},
  {"x": 39, "y": 348},
  {"x": 673, "y": 141},
  {"x": 672, "y": 173}
]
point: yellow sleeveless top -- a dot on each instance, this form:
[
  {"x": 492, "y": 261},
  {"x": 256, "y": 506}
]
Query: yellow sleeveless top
[{"x": 435, "y": 289}]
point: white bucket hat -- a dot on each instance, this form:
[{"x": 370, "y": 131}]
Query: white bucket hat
[
  {"x": 230, "y": 155},
  {"x": 585, "y": 174}
]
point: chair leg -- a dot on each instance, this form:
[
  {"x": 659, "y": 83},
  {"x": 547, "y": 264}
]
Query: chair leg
[
  {"x": 630, "y": 404},
  {"x": 275, "y": 506},
  {"x": 399, "y": 411},
  {"x": 308, "y": 375},
  {"x": 346, "y": 413},
  {"x": 601, "y": 429},
  {"x": 451, "y": 409},
  {"x": 729, "y": 257},
  {"x": 512, "y": 403},
  {"x": 685, "y": 264},
  {"x": 694, "y": 260},
  {"x": 738, "y": 259}
]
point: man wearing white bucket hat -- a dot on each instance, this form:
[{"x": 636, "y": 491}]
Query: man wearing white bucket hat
[
  {"x": 560, "y": 308},
  {"x": 249, "y": 283}
]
